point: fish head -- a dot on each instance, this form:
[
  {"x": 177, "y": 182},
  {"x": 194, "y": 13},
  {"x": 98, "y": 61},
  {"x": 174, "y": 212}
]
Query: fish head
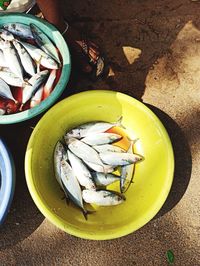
[
  {"x": 92, "y": 186},
  {"x": 53, "y": 63},
  {"x": 10, "y": 26},
  {"x": 6, "y": 35},
  {"x": 69, "y": 140},
  {"x": 6, "y": 27}
]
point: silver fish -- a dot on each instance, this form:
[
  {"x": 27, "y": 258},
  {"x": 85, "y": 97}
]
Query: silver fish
[
  {"x": 71, "y": 186},
  {"x": 92, "y": 128},
  {"x": 5, "y": 91},
  {"x": 116, "y": 159},
  {"x": 26, "y": 60},
  {"x": 11, "y": 78},
  {"x": 44, "y": 42},
  {"x": 84, "y": 151},
  {"x": 35, "y": 82},
  {"x": 40, "y": 56},
  {"x": 6, "y": 35},
  {"x": 12, "y": 60},
  {"x": 38, "y": 78},
  {"x": 101, "y": 138},
  {"x": 102, "y": 197},
  {"x": 81, "y": 171},
  {"x": 98, "y": 168},
  {"x": 102, "y": 179},
  {"x": 2, "y": 60},
  {"x": 37, "y": 97},
  {"x": 19, "y": 29},
  {"x": 59, "y": 155},
  {"x": 127, "y": 173},
  {"x": 49, "y": 83},
  {"x": 108, "y": 148}
]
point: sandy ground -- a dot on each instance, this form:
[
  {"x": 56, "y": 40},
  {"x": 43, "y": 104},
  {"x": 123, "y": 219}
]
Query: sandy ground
[{"x": 153, "y": 49}]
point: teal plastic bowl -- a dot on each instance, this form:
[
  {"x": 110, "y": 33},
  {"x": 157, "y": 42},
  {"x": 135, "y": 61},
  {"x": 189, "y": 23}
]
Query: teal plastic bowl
[{"x": 59, "y": 41}]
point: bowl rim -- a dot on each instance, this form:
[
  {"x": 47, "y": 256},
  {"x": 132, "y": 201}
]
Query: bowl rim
[
  {"x": 7, "y": 181},
  {"x": 125, "y": 230},
  {"x": 54, "y": 96}
]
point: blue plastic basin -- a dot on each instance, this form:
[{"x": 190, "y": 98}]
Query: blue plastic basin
[{"x": 7, "y": 184}]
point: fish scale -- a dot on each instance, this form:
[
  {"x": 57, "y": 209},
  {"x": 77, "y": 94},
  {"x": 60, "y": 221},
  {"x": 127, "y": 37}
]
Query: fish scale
[
  {"x": 102, "y": 197},
  {"x": 5, "y": 91},
  {"x": 33, "y": 85},
  {"x": 81, "y": 171},
  {"x": 25, "y": 58},
  {"x": 101, "y": 138},
  {"x": 12, "y": 59},
  {"x": 71, "y": 185},
  {"x": 92, "y": 128},
  {"x": 19, "y": 29},
  {"x": 11, "y": 79},
  {"x": 40, "y": 56},
  {"x": 83, "y": 151},
  {"x": 44, "y": 42},
  {"x": 119, "y": 159},
  {"x": 2, "y": 60}
]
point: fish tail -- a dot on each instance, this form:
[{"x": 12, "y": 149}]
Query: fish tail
[
  {"x": 119, "y": 122},
  {"x": 38, "y": 63},
  {"x": 132, "y": 140},
  {"x": 33, "y": 103},
  {"x": 16, "y": 102},
  {"x": 25, "y": 83},
  {"x": 46, "y": 93},
  {"x": 66, "y": 199},
  {"x": 86, "y": 212},
  {"x": 22, "y": 105}
]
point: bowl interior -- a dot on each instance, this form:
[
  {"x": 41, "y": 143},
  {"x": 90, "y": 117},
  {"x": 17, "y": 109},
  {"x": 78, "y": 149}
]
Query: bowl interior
[
  {"x": 7, "y": 181},
  {"x": 58, "y": 40},
  {"x": 153, "y": 176}
]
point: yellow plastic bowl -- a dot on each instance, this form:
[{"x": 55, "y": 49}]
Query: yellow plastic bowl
[{"x": 153, "y": 176}]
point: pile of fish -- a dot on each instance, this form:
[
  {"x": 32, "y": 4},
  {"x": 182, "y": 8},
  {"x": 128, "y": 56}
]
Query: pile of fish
[
  {"x": 30, "y": 67},
  {"x": 85, "y": 161}
]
